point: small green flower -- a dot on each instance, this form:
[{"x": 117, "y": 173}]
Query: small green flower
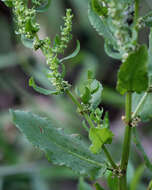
[
  {"x": 25, "y": 19},
  {"x": 27, "y": 27},
  {"x": 51, "y": 53}
]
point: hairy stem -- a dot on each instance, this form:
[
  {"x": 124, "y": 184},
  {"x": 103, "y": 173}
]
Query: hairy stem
[
  {"x": 126, "y": 143},
  {"x": 91, "y": 124}
]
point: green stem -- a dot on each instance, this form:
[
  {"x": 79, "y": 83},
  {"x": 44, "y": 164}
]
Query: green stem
[
  {"x": 88, "y": 119},
  {"x": 136, "y": 11},
  {"x": 136, "y": 15},
  {"x": 109, "y": 157},
  {"x": 126, "y": 143},
  {"x": 128, "y": 118},
  {"x": 91, "y": 124}
]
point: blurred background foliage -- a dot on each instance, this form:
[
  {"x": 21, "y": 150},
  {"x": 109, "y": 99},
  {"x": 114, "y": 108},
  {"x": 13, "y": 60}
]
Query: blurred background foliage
[{"x": 23, "y": 167}]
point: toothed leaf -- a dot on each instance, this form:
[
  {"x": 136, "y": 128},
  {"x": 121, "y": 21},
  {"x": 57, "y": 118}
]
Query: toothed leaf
[
  {"x": 132, "y": 75},
  {"x": 99, "y": 137},
  {"x": 99, "y": 24},
  {"x": 96, "y": 94},
  {"x": 61, "y": 149},
  {"x": 99, "y": 8},
  {"x": 91, "y": 93}
]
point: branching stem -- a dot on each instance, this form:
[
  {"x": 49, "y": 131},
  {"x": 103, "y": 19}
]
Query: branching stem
[{"x": 91, "y": 124}]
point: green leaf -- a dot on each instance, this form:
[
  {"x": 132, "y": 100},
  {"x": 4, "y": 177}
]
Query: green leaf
[
  {"x": 106, "y": 121},
  {"x": 94, "y": 86},
  {"x": 27, "y": 42},
  {"x": 136, "y": 179},
  {"x": 99, "y": 24},
  {"x": 44, "y": 7},
  {"x": 91, "y": 93},
  {"x": 88, "y": 64},
  {"x": 112, "y": 181},
  {"x": 86, "y": 96},
  {"x": 96, "y": 94},
  {"x": 99, "y": 137},
  {"x": 109, "y": 49},
  {"x": 8, "y": 3},
  {"x": 72, "y": 55},
  {"x": 150, "y": 54},
  {"x": 98, "y": 187},
  {"x": 39, "y": 89},
  {"x": 132, "y": 75},
  {"x": 98, "y": 8},
  {"x": 61, "y": 149},
  {"x": 139, "y": 146},
  {"x": 145, "y": 112},
  {"x": 83, "y": 185}
]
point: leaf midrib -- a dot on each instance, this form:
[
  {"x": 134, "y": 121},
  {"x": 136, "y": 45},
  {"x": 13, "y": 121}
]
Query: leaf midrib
[{"x": 67, "y": 150}]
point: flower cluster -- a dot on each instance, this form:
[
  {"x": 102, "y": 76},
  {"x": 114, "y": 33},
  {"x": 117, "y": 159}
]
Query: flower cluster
[
  {"x": 65, "y": 33},
  {"x": 53, "y": 62},
  {"x": 51, "y": 53},
  {"x": 121, "y": 15},
  {"x": 135, "y": 121},
  {"x": 37, "y": 2},
  {"x": 25, "y": 19},
  {"x": 27, "y": 27}
]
